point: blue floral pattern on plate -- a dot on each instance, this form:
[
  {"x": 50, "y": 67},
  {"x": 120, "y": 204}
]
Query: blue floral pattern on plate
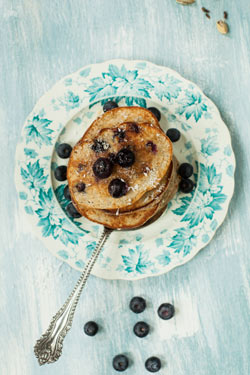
[
  {"x": 193, "y": 104},
  {"x": 38, "y": 131},
  {"x": 65, "y": 112}
]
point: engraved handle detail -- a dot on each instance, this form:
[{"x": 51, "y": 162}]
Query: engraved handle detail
[{"x": 48, "y": 348}]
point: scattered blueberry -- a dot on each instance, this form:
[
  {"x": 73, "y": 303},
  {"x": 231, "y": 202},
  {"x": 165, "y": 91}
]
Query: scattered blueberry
[
  {"x": 72, "y": 211},
  {"x": 90, "y": 328},
  {"x": 80, "y": 187},
  {"x": 153, "y": 364},
  {"x": 64, "y": 150},
  {"x": 137, "y": 304},
  {"x": 100, "y": 145},
  {"x": 155, "y": 112},
  {"x": 125, "y": 158},
  {"x": 120, "y": 362},
  {"x": 166, "y": 311},
  {"x": 117, "y": 188},
  {"x": 102, "y": 168},
  {"x": 152, "y": 145},
  {"x": 120, "y": 134},
  {"x": 109, "y": 105},
  {"x": 66, "y": 193},
  {"x": 61, "y": 173},
  {"x": 186, "y": 185},
  {"x": 141, "y": 329},
  {"x": 173, "y": 134},
  {"x": 185, "y": 170}
]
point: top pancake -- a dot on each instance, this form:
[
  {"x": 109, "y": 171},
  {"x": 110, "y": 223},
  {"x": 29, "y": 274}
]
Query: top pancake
[
  {"x": 119, "y": 115},
  {"x": 150, "y": 166}
]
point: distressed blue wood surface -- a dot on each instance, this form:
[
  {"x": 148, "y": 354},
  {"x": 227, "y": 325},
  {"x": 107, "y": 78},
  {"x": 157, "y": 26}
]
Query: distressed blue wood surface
[{"x": 41, "y": 41}]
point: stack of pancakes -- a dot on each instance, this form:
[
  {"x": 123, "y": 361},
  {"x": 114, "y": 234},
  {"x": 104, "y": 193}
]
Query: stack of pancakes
[{"x": 151, "y": 181}]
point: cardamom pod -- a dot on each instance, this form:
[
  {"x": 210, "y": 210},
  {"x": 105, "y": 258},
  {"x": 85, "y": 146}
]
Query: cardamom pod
[
  {"x": 222, "y": 27},
  {"x": 185, "y": 2}
]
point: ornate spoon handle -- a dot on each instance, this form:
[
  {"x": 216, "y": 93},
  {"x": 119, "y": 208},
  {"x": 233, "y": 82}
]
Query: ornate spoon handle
[{"x": 49, "y": 347}]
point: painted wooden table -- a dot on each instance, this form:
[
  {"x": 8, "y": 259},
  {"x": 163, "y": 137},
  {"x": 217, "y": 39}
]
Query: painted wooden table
[{"x": 41, "y": 41}]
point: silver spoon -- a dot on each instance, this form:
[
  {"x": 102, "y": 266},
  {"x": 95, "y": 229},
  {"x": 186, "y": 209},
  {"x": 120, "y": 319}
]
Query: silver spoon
[{"x": 48, "y": 348}]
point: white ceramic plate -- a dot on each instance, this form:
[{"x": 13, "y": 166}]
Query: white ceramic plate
[{"x": 64, "y": 113}]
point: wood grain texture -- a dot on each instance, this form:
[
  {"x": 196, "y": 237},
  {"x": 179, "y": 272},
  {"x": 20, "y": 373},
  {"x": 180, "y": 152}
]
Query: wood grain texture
[{"x": 41, "y": 41}]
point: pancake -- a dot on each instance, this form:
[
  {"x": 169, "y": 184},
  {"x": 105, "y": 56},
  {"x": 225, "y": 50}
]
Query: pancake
[
  {"x": 138, "y": 217},
  {"x": 153, "y": 155}
]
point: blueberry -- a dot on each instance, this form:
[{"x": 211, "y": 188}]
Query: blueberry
[
  {"x": 120, "y": 134},
  {"x": 141, "y": 329},
  {"x": 80, "y": 187},
  {"x": 66, "y": 193},
  {"x": 120, "y": 362},
  {"x": 173, "y": 134},
  {"x": 155, "y": 112},
  {"x": 109, "y": 105},
  {"x": 117, "y": 188},
  {"x": 100, "y": 145},
  {"x": 186, "y": 185},
  {"x": 90, "y": 328},
  {"x": 64, "y": 150},
  {"x": 133, "y": 127},
  {"x": 80, "y": 167},
  {"x": 72, "y": 211},
  {"x": 185, "y": 170},
  {"x": 102, "y": 168},
  {"x": 125, "y": 158},
  {"x": 61, "y": 173},
  {"x": 137, "y": 304},
  {"x": 153, "y": 364},
  {"x": 166, "y": 311},
  {"x": 152, "y": 145}
]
